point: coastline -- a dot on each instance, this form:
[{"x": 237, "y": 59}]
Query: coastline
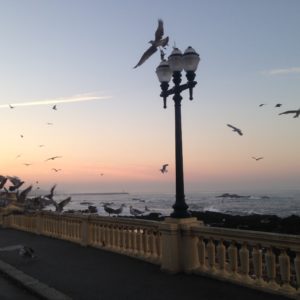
[{"x": 256, "y": 222}]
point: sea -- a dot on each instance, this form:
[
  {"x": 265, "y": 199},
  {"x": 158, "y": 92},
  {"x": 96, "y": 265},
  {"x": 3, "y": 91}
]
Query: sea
[{"x": 282, "y": 205}]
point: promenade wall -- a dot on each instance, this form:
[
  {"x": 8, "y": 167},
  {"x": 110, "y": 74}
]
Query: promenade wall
[{"x": 265, "y": 261}]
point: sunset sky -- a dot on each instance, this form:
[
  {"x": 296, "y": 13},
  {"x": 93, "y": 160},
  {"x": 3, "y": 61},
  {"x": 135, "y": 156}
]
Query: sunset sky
[{"x": 110, "y": 119}]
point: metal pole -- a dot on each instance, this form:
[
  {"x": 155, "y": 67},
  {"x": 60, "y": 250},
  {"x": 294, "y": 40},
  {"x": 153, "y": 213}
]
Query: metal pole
[{"x": 180, "y": 207}]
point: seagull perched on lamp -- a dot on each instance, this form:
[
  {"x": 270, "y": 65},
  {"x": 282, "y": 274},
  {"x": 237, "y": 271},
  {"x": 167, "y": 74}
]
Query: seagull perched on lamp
[{"x": 158, "y": 42}]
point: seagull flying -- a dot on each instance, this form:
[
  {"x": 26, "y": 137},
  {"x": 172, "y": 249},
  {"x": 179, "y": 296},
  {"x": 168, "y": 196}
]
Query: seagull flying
[
  {"x": 16, "y": 181},
  {"x": 56, "y": 170},
  {"x": 158, "y": 42},
  {"x": 278, "y": 105},
  {"x": 260, "y": 105},
  {"x": 52, "y": 158},
  {"x": 164, "y": 168},
  {"x": 59, "y": 206},
  {"x": 257, "y": 158},
  {"x": 21, "y": 197},
  {"x": 296, "y": 112},
  {"x": 235, "y": 129}
]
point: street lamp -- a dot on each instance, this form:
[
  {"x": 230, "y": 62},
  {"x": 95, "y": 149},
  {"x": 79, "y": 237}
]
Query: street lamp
[{"x": 177, "y": 61}]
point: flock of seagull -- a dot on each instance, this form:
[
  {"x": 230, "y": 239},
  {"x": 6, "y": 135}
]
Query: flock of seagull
[
  {"x": 54, "y": 107},
  {"x": 24, "y": 203},
  {"x": 239, "y": 131}
]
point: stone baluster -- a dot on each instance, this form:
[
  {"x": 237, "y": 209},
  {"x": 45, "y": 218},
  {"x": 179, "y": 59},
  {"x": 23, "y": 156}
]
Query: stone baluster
[
  {"x": 211, "y": 255},
  {"x": 297, "y": 269},
  {"x": 154, "y": 245},
  {"x": 134, "y": 241},
  {"x": 159, "y": 245},
  {"x": 123, "y": 238},
  {"x": 113, "y": 237},
  {"x": 108, "y": 236},
  {"x": 245, "y": 262},
  {"x": 101, "y": 229},
  {"x": 202, "y": 254},
  {"x": 221, "y": 252},
  {"x": 122, "y": 233},
  {"x": 270, "y": 260},
  {"x": 257, "y": 265},
  {"x": 118, "y": 238},
  {"x": 129, "y": 240},
  {"x": 140, "y": 244},
  {"x": 233, "y": 259},
  {"x": 146, "y": 243},
  {"x": 96, "y": 234},
  {"x": 284, "y": 265}
]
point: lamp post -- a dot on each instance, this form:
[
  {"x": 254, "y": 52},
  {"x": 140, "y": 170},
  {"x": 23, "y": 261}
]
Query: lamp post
[{"x": 176, "y": 63}]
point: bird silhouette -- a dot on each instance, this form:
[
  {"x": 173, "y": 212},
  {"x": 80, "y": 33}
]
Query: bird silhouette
[
  {"x": 3, "y": 180},
  {"x": 278, "y": 105},
  {"x": 158, "y": 42},
  {"x": 27, "y": 164},
  {"x": 50, "y": 196},
  {"x": 22, "y": 196},
  {"x": 11, "y": 107},
  {"x": 54, "y": 107},
  {"x": 260, "y": 105},
  {"x": 296, "y": 112},
  {"x": 16, "y": 181},
  {"x": 53, "y": 157},
  {"x": 56, "y": 170},
  {"x": 59, "y": 206},
  {"x": 164, "y": 168},
  {"x": 112, "y": 211},
  {"x": 21, "y": 135},
  {"x": 237, "y": 130},
  {"x": 24, "y": 251},
  {"x": 135, "y": 211},
  {"x": 257, "y": 158}
]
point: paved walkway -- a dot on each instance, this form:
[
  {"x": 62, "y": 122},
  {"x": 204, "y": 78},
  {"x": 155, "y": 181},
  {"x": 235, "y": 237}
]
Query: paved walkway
[{"x": 85, "y": 273}]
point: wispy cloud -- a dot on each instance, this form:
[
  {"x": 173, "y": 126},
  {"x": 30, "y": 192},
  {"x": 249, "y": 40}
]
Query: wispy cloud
[
  {"x": 292, "y": 70},
  {"x": 76, "y": 98}
]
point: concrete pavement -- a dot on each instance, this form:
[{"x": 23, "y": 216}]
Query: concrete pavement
[{"x": 85, "y": 273}]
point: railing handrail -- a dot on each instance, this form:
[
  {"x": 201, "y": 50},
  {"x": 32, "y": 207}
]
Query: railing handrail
[{"x": 265, "y": 239}]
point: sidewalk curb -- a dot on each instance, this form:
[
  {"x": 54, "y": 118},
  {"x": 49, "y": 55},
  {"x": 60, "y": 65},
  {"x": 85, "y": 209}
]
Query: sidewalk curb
[{"x": 34, "y": 286}]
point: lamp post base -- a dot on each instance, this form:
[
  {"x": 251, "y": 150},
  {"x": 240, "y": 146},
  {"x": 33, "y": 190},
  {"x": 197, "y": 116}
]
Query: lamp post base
[{"x": 178, "y": 214}]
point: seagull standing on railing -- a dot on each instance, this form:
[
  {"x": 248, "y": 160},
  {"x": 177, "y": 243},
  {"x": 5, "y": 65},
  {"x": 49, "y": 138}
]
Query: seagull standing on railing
[
  {"x": 113, "y": 211},
  {"x": 135, "y": 211}
]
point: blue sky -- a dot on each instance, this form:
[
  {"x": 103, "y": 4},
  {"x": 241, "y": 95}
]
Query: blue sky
[{"x": 249, "y": 55}]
